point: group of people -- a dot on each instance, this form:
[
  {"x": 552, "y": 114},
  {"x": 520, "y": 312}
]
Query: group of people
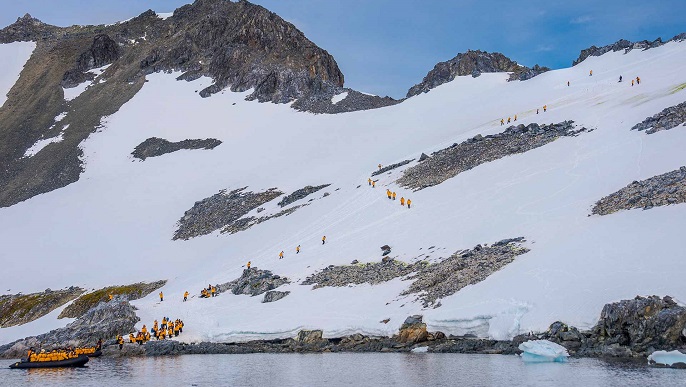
[
  {"x": 509, "y": 119},
  {"x": 297, "y": 251},
  {"x": 53, "y": 355},
  {"x": 167, "y": 329},
  {"x": 211, "y": 291},
  {"x": 391, "y": 194}
]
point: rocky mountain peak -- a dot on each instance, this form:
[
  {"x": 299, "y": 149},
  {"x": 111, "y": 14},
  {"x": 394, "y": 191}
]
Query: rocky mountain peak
[
  {"x": 473, "y": 62},
  {"x": 625, "y": 45},
  {"x": 26, "y": 28}
]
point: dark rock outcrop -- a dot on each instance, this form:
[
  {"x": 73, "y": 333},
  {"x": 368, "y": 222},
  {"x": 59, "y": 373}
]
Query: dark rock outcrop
[
  {"x": 391, "y": 167},
  {"x": 220, "y": 210},
  {"x": 624, "y": 45},
  {"x": 253, "y": 282},
  {"x": 18, "y": 309},
  {"x": 371, "y": 273},
  {"x": 104, "y": 321},
  {"x": 27, "y": 28},
  {"x": 155, "y": 146},
  {"x": 473, "y": 63},
  {"x": 667, "y": 119},
  {"x": 274, "y": 295},
  {"x": 120, "y": 293},
  {"x": 449, "y": 162},
  {"x": 103, "y": 51},
  {"x": 319, "y": 101},
  {"x": 662, "y": 190},
  {"x": 301, "y": 194}
]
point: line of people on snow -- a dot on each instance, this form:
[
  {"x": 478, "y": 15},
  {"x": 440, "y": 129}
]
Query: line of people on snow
[
  {"x": 297, "y": 251},
  {"x": 391, "y": 194}
]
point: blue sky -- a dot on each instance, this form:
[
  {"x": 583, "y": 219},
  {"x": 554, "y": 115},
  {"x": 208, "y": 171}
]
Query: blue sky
[{"x": 386, "y": 46}]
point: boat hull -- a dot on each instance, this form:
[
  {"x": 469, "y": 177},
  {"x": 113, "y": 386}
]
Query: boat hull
[{"x": 75, "y": 362}]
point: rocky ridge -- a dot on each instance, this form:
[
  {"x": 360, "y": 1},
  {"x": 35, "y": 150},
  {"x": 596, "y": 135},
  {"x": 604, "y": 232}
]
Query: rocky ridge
[
  {"x": 391, "y": 167},
  {"x": 300, "y": 194},
  {"x": 625, "y": 45},
  {"x": 371, "y": 273},
  {"x": 473, "y": 63},
  {"x": 254, "y": 282},
  {"x": 667, "y": 119},
  {"x": 154, "y": 146},
  {"x": 662, "y": 190},
  {"x": 220, "y": 210},
  {"x": 245, "y": 223},
  {"x": 120, "y": 293},
  {"x": 449, "y": 162},
  {"x": 18, "y": 309}
]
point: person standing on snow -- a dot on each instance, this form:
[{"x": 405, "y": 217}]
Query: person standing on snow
[
  {"x": 620, "y": 78},
  {"x": 297, "y": 250},
  {"x": 161, "y": 296},
  {"x": 590, "y": 74},
  {"x": 409, "y": 202},
  {"x": 324, "y": 239},
  {"x": 402, "y": 201},
  {"x": 638, "y": 80},
  {"x": 369, "y": 181},
  {"x": 248, "y": 265},
  {"x": 393, "y": 195},
  {"x": 185, "y": 296},
  {"x": 545, "y": 108},
  {"x": 502, "y": 121},
  {"x": 515, "y": 117},
  {"x": 373, "y": 184},
  {"x": 281, "y": 255},
  {"x": 508, "y": 120}
]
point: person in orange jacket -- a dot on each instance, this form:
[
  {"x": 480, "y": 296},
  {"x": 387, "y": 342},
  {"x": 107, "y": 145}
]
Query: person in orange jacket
[
  {"x": 110, "y": 296},
  {"x": 214, "y": 291},
  {"x": 185, "y": 296},
  {"x": 324, "y": 239},
  {"x": 632, "y": 82},
  {"x": 409, "y": 202},
  {"x": 545, "y": 108},
  {"x": 297, "y": 250},
  {"x": 248, "y": 265},
  {"x": 638, "y": 80},
  {"x": 379, "y": 166},
  {"x": 369, "y": 181},
  {"x": 393, "y": 195},
  {"x": 161, "y": 296},
  {"x": 281, "y": 255},
  {"x": 402, "y": 201},
  {"x": 502, "y": 121},
  {"x": 508, "y": 120},
  {"x": 515, "y": 117},
  {"x": 388, "y": 193},
  {"x": 590, "y": 73}
]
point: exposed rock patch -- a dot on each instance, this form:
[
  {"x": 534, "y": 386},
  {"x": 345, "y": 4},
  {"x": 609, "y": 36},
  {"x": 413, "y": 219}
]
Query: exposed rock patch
[
  {"x": 319, "y": 101},
  {"x": 254, "y": 282},
  {"x": 125, "y": 292},
  {"x": 445, "y": 278},
  {"x": 662, "y": 190},
  {"x": 391, "y": 167},
  {"x": 274, "y": 295},
  {"x": 472, "y": 63},
  {"x": 245, "y": 223},
  {"x": 19, "y": 309},
  {"x": 103, "y": 51},
  {"x": 667, "y": 119},
  {"x": 220, "y": 210},
  {"x": 104, "y": 321},
  {"x": 624, "y": 45},
  {"x": 155, "y": 146},
  {"x": 301, "y": 194},
  {"x": 371, "y": 273},
  {"x": 449, "y": 162}
]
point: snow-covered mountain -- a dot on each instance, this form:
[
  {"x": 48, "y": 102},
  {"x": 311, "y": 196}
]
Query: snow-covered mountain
[{"x": 181, "y": 215}]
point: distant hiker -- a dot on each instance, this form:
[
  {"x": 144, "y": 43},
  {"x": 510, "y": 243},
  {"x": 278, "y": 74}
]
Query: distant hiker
[
  {"x": 502, "y": 121},
  {"x": 567, "y": 83},
  {"x": 508, "y": 120},
  {"x": 369, "y": 181},
  {"x": 545, "y": 108},
  {"x": 324, "y": 239},
  {"x": 638, "y": 80},
  {"x": 402, "y": 201},
  {"x": 185, "y": 296},
  {"x": 281, "y": 255},
  {"x": 393, "y": 195},
  {"x": 632, "y": 82},
  {"x": 379, "y": 166},
  {"x": 388, "y": 193},
  {"x": 373, "y": 184},
  {"x": 132, "y": 339},
  {"x": 120, "y": 341},
  {"x": 248, "y": 265},
  {"x": 409, "y": 202},
  {"x": 297, "y": 250},
  {"x": 144, "y": 329},
  {"x": 590, "y": 73},
  {"x": 214, "y": 291},
  {"x": 536, "y": 110},
  {"x": 161, "y": 296},
  {"x": 111, "y": 297},
  {"x": 620, "y": 78},
  {"x": 515, "y": 117}
]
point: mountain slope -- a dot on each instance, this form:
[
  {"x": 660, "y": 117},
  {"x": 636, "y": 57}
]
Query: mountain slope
[{"x": 116, "y": 223}]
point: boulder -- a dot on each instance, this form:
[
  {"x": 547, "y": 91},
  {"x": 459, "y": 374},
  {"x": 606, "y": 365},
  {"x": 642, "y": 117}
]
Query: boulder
[
  {"x": 274, "y": 295},
  {"x": 413, "y": 331}
]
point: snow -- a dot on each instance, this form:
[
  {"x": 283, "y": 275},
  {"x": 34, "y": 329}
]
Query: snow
[
  {"x": 667, "y": 357},
  {"x": 126, "y": 212},
  {"x": 165, "y": 15},
  {"x": 40, "y": 144},
  {"x": 41, "y": 325},
  {"x": 73, "y": 92},
  {"x": 420, "y": 350},
  {"x": 13, "y": 57},
  {"x": 543, "y": 351},
  {"x": 339, "y": 97}
]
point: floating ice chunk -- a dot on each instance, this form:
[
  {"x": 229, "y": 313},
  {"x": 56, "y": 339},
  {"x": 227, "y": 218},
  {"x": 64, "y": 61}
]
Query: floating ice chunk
[
  {"x": 540, "y": 351},
  {"x": 420, "y": 350},
  {"x": 667, "y": 358}
]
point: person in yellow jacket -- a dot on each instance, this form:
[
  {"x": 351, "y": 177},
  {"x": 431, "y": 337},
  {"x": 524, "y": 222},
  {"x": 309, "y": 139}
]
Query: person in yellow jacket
[
  {"x": 120, "y": 341},
  {"x": 144, "y": 329},
  {"x": 248, "y": 265},
  {"x": 590, "y": 73},
  {"x": 132, "y": 339},
  {"x": 373, "y": 184},
  {"x": 297, "y": 250},
  {"x": 379, "y": 166},
  {"x": 502, "y": 121},
  {"x": 409, "y": 202},
  {"x": 170, "y": 332},
  {"x": 177, "y": 327},
  {"x": 393, "y": 195},
  {"x": 508, "y": 120},
  {"x": 185, "y": 296},
  {"x": 214, "y": 291},
  {"x": 388, "y": 193},
  {"x": 515, "y": 117},
  {"x": 638, "y": 80},
  {"x": 402, "y": 201},
  {"x": 545, "y": 108},
  {"x": 161, "y": 296},
  {"x": 110, "y": 297},
  {"x": 369, "y": 181},
  {"x": 281, "y": 255},
  {"x": 324, "y": 239}
]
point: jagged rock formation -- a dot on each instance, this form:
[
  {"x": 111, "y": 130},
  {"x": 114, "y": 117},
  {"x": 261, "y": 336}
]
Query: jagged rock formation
[
  {"x": 104, "y": 321},
  {"x": 372, "y": 273},
  {"x": 449, "y": 162},
  {"x": 391, "y": 167},
  {"x": 319, "y": 101},
  {"x": 120, "y": 293},
  {"x": 301, "y": 194},
  {"x": 220, "y": 210},
  {"x": 155, "y": 146},
  {"x": 253, "y": 282},
  {"x": 472, "y": 63},
  {"x": 625, "y": 45},
  {"x": 18, "y": 309},
  {"x": 103, "y": 51},
  {"x": 445, "y": 278},
  {"x": 662, "y": 190},
  {"x": 667, "y": 119},
  {"x": 524, "y": 73}
]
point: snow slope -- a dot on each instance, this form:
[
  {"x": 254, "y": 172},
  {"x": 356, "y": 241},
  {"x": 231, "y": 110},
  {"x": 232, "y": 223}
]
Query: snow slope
[
  {"x": 114, "y": 226},
  {"x": 13, "y": 57}
]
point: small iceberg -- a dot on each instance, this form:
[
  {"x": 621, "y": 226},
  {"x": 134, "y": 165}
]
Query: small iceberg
[
  {"x": 667, "y": 358},
  {"x": 420, "y": 350},
  {"x": 543, "y": 351}
]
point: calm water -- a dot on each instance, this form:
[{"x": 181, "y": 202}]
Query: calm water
[{"x": 348, "y": 369}]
